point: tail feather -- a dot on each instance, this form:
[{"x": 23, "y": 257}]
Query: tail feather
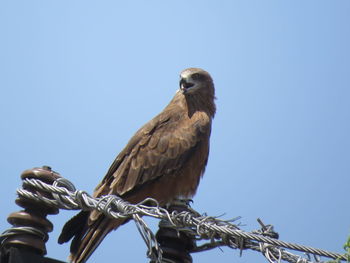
[
  {"x": 87, "y": 236},
  {"x": 74, "y": 227},
  {"x": 81, "y": 249}
]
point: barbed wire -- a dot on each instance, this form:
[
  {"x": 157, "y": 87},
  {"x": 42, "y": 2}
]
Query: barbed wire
[{"x": 219, "y": 232}]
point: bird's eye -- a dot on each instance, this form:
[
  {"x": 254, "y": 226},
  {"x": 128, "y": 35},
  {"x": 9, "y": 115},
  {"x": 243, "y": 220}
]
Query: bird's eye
[{"x": 196, "y": 76}]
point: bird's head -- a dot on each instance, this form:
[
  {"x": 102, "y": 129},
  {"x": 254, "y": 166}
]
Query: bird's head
[{"x": 196, "y": 80}]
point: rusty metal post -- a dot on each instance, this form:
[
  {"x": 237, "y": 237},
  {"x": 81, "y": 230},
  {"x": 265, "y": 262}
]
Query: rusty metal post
[{"x": 176, "y": 244}]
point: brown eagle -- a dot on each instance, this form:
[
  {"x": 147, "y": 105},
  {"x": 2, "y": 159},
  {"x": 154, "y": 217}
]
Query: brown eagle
[{"x": 164, "y": 160}]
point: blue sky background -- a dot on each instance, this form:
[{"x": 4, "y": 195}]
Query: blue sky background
[{"x": 78, "y": 78}]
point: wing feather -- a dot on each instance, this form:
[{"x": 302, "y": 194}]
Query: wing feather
[
  {"x": 162, "y": 144},
  {"x": 159, "y": 148},
  {"x": 153, "y": 141}
]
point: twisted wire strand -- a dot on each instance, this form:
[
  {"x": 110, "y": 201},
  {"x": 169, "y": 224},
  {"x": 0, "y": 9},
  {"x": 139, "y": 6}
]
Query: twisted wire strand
[
  {"x": 277, "y": 252},
  {"x": 220, "y": 232},
  {"x": 20, "y": 230},
  {"x": 153, "y": 249}
]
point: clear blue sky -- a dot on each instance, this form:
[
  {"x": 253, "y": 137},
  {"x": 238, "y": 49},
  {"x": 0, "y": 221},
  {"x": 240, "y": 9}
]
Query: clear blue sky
[{"x": 78, "y": 78}]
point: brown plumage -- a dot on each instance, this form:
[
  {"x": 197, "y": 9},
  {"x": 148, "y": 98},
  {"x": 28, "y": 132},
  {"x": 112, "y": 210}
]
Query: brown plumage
[{"x": 164, "y": 159}]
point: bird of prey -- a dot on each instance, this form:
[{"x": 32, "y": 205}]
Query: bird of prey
[{"x": 164, "y": 160}]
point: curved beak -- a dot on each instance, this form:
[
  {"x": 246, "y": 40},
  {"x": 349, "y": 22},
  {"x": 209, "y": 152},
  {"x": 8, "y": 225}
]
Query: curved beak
[{"x": 184, "y": 85}]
